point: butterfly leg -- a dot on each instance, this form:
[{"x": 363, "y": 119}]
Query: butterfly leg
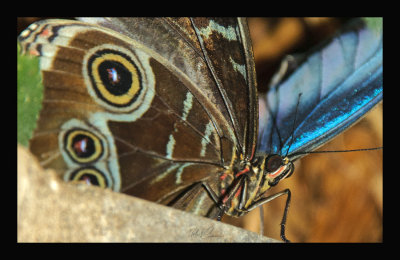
[
  {"x": 243, "y": 198},
  {"x": 221, "y": 203},
  {"x": 215, "y": 198},
  {"x": 262, "y": 201},
  {"x": 210, "y": 192}
]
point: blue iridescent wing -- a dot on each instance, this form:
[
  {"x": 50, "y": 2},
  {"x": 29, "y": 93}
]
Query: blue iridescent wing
[{"x": 338, "y": 85}]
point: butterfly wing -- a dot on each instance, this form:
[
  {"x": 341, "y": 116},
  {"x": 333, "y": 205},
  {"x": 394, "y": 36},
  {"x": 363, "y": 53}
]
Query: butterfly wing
[
  {"x": 181, "y": 133},
  {"x": 232, "y": 66},
  {"x": 338, "y": 85}
]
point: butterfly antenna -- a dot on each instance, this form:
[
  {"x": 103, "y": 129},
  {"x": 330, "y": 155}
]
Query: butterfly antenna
[
  {"x": 340, "y": 151},
  {"x": 294, "y": 123}
]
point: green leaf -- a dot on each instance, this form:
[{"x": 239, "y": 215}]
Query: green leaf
[
  {"x": 29, "y": 95},
  {"x": 374, "y": 23}
]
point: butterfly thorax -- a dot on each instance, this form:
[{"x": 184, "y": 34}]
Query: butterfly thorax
[{"x": 244, "y": 185}]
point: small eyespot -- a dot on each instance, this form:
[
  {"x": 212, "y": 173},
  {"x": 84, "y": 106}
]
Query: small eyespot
[
  {"x": 90, "y": 176},
  {"x": 83, "y": 146}
]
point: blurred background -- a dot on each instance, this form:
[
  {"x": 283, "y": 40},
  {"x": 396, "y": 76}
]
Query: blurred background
[{"x": 336, "y": 197}]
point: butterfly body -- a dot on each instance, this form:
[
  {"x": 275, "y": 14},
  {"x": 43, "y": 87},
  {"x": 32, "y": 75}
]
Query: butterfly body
[{"x": 166, "y": 109}]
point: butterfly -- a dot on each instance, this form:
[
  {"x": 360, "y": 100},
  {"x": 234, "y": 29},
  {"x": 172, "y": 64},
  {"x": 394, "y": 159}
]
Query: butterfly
[{"x": 166, "y": 109}]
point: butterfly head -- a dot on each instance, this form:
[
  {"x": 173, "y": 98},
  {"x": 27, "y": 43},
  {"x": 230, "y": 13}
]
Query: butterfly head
[{"x": 275, "y": 168}]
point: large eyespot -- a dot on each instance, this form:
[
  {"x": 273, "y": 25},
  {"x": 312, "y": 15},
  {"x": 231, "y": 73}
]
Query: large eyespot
[
  {"x": 120, "y": 80},
  {"x": 83, "y": 146},
  {"x": 90, "y": 175},
  {"x": 115, "y": 78}
]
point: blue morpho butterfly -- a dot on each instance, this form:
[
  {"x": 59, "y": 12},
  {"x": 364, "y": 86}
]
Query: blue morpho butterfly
[
  {"x": 330, "y": 90},
  {"x": 167, "y": 129}
]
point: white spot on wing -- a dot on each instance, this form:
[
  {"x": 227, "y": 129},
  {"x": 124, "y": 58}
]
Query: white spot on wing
[
  {"x": 164, "y": 174},
  {"x": 187, "y": 105},
  {"x": 170, "y": 146},
  {"x": 199, "y": 202},
  {"x": 227, "y": 32},
  {"x": 239, "y": 68},
  {"x": 172, "y": 168},
  {"x": 205, "y": 140},
  {"x": 179, "y": 173}
]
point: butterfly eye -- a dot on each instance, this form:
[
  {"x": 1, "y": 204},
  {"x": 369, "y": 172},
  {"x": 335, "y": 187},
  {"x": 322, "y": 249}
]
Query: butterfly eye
[
  {"x": 277, "y": 168},
  {"x": 273, "y": 163}
]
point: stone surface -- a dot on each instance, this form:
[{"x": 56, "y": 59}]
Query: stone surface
[{"x": 50, "y": 210}]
